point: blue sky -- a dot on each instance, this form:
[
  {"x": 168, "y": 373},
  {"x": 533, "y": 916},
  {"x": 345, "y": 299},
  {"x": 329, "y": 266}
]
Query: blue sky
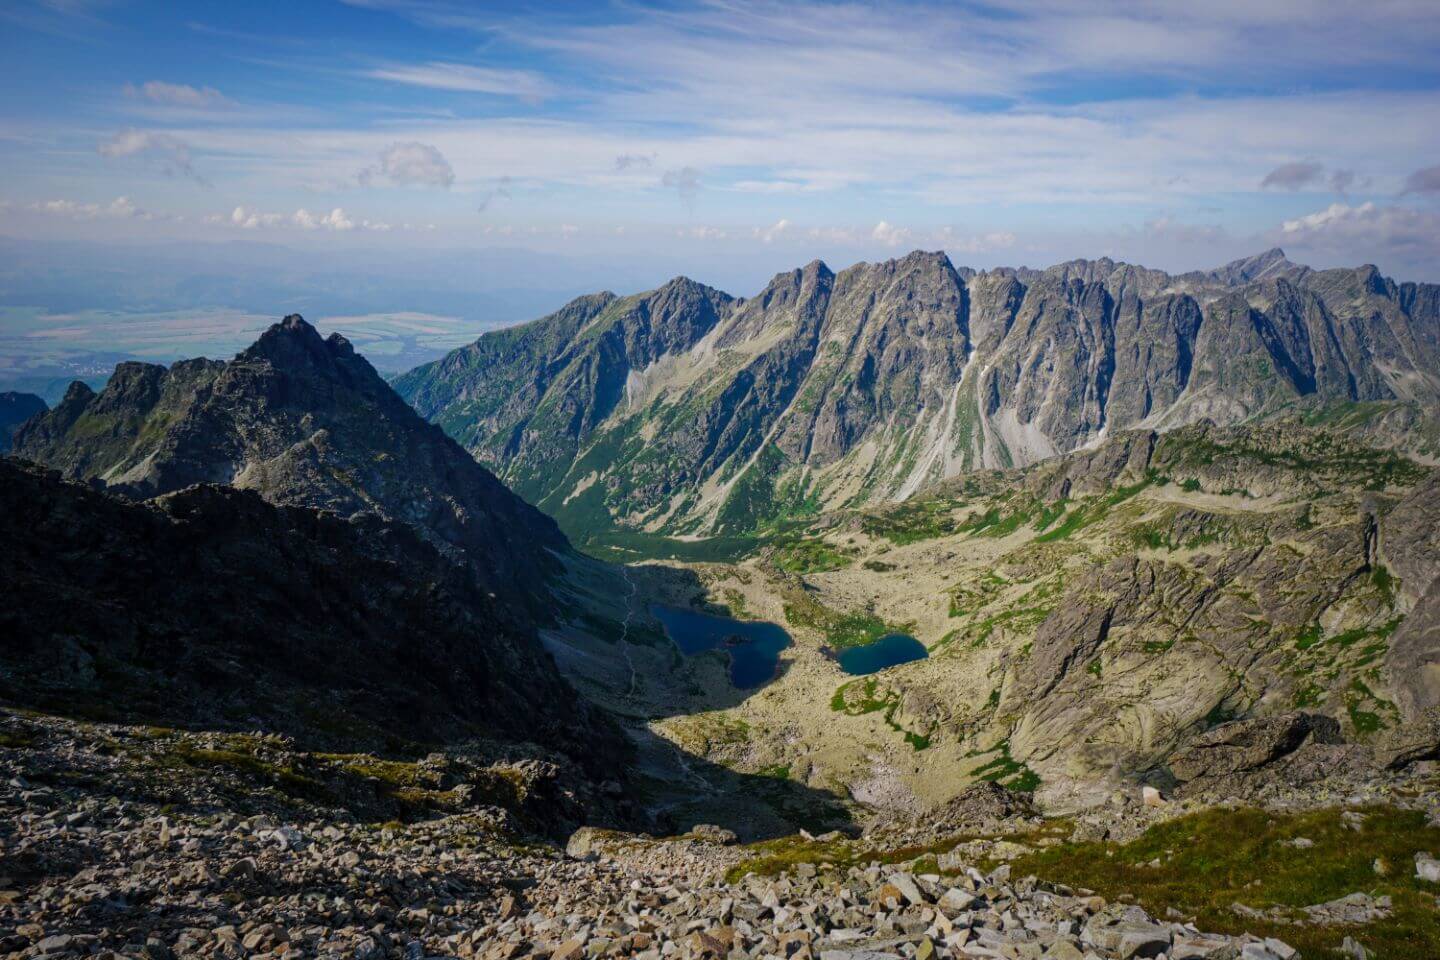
[{"x": 727, "y": 140}]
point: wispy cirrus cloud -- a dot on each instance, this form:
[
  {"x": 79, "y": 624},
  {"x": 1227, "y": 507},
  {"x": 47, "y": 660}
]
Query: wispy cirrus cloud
[
  {"x": 1169, "y": 125},
  {"x": 177, "y": 95},
  {"x": 467, "y": 78}
]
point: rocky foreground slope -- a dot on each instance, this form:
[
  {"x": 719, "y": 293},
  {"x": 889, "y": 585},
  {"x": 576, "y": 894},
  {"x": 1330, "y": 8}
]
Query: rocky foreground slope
[
  {"x": 686, "y": 411},
  {"x": 104, "y": 874}
]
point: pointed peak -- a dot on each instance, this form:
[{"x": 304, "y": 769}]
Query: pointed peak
[
  {"x": 339, "y": 345},
  {"x": 293, "y": 328},
  {"x": 921, "y": 259},
  {"x": 789, "y": 278},
  {"x": 683, "y": 288},
  {"x": 295, "y": 343},
  {"x": 1271, "y": 263},
  {"x": 78, "y": 392},
  {"x": 679, "y": 282},
  {"x": 924, "y": 256}
]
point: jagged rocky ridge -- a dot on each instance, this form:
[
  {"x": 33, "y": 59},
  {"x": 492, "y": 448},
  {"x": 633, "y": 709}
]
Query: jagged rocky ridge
[
  {"x": 303, "y": 421},
  {"x": 686, "y": 411},
  {"x": 213, "y": 610}
]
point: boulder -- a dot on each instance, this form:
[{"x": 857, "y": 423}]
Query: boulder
[
  {"x": 1353, "y": 909},
  {"x": 982, "y": 802},
  {"x": 584, "y": 844},
  {"x": 711, "y": 833}
]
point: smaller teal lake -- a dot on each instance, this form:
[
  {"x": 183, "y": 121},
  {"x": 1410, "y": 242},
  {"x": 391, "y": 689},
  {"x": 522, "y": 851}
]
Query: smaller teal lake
[
  {"x": 888, "y": 651},
  {"x": 753, "y": 645}
]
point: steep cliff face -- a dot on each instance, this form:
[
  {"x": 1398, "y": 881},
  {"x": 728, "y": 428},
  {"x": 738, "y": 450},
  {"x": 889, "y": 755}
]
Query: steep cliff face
[
  {"x": 210, "y": 608},
  {"x": 303, "y": 421},
  {"x": 685, "y": 412}
]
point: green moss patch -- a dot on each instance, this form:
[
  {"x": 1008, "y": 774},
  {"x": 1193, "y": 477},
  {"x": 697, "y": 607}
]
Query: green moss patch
[{"x": 1213, "y": 859}]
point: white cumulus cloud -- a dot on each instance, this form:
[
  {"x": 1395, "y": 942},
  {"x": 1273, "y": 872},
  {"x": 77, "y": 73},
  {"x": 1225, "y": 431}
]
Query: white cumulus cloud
[
  {"x": 1342, "y": 229},
  {"x": 773, "y": 232},
  {"x": 334, "y": 220},
  {"x": 890, "y": 235},
  {"x": 411, "y": 163}
]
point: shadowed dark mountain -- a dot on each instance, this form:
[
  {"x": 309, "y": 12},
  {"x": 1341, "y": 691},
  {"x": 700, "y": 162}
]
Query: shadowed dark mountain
[
  {"x": 15, "y": 409},
  {"x": 303, "y": 421},
  {"x": 211, "y": 608}
]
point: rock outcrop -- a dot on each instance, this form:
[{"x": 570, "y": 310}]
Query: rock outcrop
[{"x": 1245, "y": 746}]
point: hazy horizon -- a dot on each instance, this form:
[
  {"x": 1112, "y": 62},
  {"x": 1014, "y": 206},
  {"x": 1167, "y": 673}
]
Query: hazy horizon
[{"x": 420, "y": 171}]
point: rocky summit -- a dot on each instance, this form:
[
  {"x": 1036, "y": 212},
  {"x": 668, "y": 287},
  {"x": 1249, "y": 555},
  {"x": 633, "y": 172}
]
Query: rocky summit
[
  {"x": 303, "y": 421},
  {"x": 153, "y": 883}
]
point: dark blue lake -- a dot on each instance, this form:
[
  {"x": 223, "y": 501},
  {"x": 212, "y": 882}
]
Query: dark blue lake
[
  {"x": 885, "y": 652},
  {"x": 753, "y": 645}
]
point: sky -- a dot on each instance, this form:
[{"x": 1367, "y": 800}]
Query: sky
[{"x": 482, "y": 162}]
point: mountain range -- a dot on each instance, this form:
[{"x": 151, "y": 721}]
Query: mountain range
[{"x": 687, "y": 412}]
